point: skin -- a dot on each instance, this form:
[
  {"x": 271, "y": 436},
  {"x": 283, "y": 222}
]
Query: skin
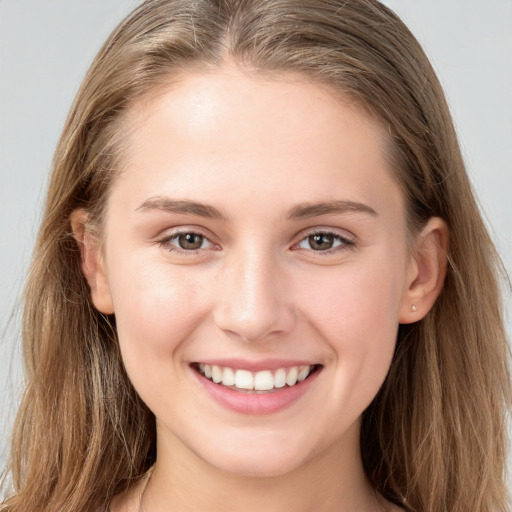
[{"x": 257, "y": 149}]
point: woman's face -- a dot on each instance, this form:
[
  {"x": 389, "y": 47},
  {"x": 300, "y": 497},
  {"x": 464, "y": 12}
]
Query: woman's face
[{"x": 255, "y": 234}]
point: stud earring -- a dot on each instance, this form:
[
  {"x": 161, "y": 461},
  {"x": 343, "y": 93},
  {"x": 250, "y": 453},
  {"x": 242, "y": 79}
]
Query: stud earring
[{"x": 414, "y": 307}]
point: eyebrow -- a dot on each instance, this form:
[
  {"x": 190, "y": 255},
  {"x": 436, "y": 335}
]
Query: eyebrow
[
  {"x": 182, "y": 206},
  {"x": 308, "y": 210},
  {"x": 301, "y": 211}
]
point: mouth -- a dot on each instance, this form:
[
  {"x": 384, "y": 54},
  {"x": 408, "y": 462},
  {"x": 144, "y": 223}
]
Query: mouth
[{"x": 260, "y": 382}]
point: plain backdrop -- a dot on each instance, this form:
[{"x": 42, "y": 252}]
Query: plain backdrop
[{"x": 46, "y": 47}]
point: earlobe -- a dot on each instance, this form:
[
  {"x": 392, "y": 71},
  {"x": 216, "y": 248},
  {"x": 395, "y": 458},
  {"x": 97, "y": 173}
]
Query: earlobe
[
  {"x": 427, "y": 271},
  {"x": 92, "y": 263}
]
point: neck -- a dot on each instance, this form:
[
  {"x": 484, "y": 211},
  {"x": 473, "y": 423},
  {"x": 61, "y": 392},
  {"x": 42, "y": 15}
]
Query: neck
[{"x": 333, "y": 481}]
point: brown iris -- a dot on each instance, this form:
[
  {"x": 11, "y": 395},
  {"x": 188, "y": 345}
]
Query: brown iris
[
  {"x": 190, "y": 241},
  {"x": 321, "y": 241}
]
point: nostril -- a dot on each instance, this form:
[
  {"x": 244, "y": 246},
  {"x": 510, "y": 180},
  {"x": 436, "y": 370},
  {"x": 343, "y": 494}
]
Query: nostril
[{"x": 250, "y": 338}]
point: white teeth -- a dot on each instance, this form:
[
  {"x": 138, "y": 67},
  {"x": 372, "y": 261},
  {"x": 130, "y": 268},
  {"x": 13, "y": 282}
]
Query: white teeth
[
  {"x": 216, "y": 374},
  {"x": 244, "y": 379},
  {"x": 228, "y": 377},
  {"x": 280, "y": 378},
  {"x": 291, "y": 377},
  {"x": 303, "y": 373},
  {"x": 264, "y": 380}
]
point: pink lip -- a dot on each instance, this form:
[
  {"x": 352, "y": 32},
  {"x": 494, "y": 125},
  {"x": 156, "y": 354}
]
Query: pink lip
[
  {"x": 255, "y": 366},
  {"x": 252, "y": 403}
]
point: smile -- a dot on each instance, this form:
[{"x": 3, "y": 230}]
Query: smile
[{"x": 256, "y": 382}]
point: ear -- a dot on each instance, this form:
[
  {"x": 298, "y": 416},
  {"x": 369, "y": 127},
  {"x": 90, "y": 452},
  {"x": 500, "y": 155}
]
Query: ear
[
  {"x": 427, "y": 271},
  {"x": 92, "y": 262}
]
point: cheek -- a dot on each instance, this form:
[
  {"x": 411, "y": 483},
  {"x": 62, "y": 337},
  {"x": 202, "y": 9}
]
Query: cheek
[
  {"x": 354, "y": 299},
  {"x": 356, "y": 311},
  {"x": 156, "y": 308}
]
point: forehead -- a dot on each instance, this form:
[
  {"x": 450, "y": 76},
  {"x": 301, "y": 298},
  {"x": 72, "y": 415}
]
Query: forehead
[
  {"x": 200, "y": 100},
  {"x": 268, "y": 134}
]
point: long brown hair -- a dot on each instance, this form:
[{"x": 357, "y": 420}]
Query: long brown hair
[{"x": 434, "y": 437}]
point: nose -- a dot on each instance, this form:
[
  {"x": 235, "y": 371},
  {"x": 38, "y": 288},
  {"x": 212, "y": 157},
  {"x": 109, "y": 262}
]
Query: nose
[{"x": 252, "y": 298}]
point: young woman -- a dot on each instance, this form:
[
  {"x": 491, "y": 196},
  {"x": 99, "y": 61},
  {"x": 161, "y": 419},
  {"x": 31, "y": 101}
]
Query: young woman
[{"x": 262, "y": 280}]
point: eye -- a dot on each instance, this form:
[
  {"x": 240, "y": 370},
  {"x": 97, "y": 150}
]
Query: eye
[
  {"x": 186, "y": 241},
  {"x": 190, "y": 241},
  {"x": 324, "y": 241}
]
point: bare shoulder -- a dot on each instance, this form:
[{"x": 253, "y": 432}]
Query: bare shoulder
[
  {"x": 123, "y": 503},
  {"x": 129, "y": 500}
]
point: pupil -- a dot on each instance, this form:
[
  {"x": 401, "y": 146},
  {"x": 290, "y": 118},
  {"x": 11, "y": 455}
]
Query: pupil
[
  {"x": 190, "y": 241},
  {"x": 321, "y": 241}
]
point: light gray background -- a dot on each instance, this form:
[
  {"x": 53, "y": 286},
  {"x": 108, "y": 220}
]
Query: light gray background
[{"x": 46, "y": 46}]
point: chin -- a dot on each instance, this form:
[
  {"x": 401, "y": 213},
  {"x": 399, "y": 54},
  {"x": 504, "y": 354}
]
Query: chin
[
  {"x": 258, "y": 460},
  {"x": 260, "y": 468}
]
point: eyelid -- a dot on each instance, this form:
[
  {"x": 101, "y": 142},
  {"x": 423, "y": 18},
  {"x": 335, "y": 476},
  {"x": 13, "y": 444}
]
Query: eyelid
[
  {"x": 165, "y": 240},
  {"x": 328, "y": 230},
  {"x": 348, "y": 239}
]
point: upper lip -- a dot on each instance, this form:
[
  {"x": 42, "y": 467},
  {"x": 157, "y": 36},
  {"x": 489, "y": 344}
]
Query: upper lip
[{"x": 255, "y": 366}]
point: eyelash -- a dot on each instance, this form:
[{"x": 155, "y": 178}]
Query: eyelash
[
  {"x": 166, "y": 242},
  {"x": 344, "y": 243}
]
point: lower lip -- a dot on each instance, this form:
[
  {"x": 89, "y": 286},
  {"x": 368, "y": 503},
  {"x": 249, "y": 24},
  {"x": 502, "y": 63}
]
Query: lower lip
[{"x": 253, "y": 403}]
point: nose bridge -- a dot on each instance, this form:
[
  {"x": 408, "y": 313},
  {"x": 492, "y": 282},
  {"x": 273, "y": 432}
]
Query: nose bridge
[{"x": 252, "y": 295}]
